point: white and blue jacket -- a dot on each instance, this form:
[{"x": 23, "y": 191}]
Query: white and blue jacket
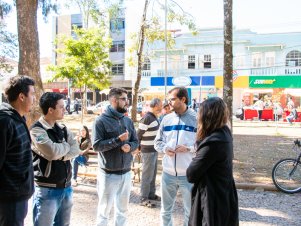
[{"x": 174, "y": 130}]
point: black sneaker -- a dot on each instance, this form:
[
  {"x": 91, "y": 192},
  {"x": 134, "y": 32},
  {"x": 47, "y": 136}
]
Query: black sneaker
[
  {"x": 155, "y": 198},
  {"x": 147, "y": 203}
]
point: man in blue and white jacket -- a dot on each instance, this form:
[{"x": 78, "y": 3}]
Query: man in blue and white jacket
[{"x": 176, "y": 138}]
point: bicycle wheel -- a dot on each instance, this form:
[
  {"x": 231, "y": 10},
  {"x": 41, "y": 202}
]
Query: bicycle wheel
[{"x": 286, "y": 175}]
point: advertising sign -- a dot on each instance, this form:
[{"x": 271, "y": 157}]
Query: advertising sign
[{"x": 281, "y": 81}]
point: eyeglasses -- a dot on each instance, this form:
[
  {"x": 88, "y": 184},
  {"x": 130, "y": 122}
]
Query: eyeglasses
[
  {"x": 172, "y": 99},
  {"x": 123, "y": 98}
]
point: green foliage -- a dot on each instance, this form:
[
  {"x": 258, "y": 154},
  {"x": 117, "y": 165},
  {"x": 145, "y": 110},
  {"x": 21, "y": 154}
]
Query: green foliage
[
  {"x": 85, "y": 59},
  {"x": 8, "y": 49}
]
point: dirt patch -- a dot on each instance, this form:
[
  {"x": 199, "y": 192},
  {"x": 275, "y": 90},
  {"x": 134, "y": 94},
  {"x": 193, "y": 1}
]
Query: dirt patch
[{"x": 255, "y": 156}]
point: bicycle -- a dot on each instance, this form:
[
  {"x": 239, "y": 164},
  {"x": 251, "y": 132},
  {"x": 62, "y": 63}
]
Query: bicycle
[{"x": 286, "y": 173}]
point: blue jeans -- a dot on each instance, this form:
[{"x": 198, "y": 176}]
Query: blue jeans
[
  {"x": 290, "y": 118},
  {"x": 52, "y": 206},
  {"x": 149, "y": 173},
  {"x": 112, "y": 190},
  {"x": 13, "y": 213},
  {"x": 75, "y": 162},
  {"x": 169, "y": 187}
]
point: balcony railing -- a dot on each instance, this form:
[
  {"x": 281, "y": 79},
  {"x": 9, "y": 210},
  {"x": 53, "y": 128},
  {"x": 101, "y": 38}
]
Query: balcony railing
[{"x": 219, "y": 71}]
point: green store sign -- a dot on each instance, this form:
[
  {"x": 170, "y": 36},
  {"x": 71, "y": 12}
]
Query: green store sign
[{"x": 285, "y": 81}]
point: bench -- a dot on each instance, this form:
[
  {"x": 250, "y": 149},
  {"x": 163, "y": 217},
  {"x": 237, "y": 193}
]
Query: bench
[{"x": 90, "y": 169}]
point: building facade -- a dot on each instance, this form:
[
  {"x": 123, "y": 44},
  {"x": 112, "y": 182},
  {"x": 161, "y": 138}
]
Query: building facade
[
  {"x": 264, "y": 65},
  {"x": 63, "y": 26}
]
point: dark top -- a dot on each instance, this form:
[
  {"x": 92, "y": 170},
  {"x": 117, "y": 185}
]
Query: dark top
[
  {"x": 147, "y": 131},
  {"x": 16, "y": 171},
  {"x": 59, "y": 171},
  {"x": 106, "y": 129},
  {"x": 214, "y": 196}
]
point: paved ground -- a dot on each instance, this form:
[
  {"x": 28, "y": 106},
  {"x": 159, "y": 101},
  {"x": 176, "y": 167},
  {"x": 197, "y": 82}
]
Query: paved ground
[
  {"x": 260, "y": 208},
  {"x": 256, "y": 208}
]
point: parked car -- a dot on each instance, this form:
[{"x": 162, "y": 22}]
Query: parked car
[{"x": 98, "y": 108}]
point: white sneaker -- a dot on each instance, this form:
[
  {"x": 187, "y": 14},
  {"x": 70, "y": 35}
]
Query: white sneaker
[{"x": 74, "y": 183}]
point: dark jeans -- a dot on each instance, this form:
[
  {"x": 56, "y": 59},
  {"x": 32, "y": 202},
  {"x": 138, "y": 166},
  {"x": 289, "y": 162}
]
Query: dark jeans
[{"x": 13, "y": 213}]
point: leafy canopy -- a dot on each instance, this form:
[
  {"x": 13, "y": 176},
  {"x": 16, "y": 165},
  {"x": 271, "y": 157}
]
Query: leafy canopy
[{"x": 84, "y": 59}]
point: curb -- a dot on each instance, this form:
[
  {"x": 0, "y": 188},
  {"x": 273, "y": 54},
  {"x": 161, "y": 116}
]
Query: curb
[{"x": 256, "y": 187}]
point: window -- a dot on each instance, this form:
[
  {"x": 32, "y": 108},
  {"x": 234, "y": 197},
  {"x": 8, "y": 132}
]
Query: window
[
  {"x": 293, "y": 59},
  {"x": 256, "y": 59},
  {"x": 118, "y": 46},
  {"x": 191, "y": 62},
  {"x": 146, "y": 64},
  {"x": 270, "y": 59},
  {"x": 117, "y": 24},
  {"x": 207, "y": 61},
  {"x": 117, "y": 69}
]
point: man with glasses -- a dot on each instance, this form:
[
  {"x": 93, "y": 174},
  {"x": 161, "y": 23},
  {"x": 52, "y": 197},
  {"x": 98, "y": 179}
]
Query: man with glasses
[
  {"x": 176, "y": 138},
  {"x": 114, "y": 138},
  {"x": 16, "y": 171}
]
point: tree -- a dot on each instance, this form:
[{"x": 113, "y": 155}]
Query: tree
[
  {"x": 86, "y": 59},
  {"x": 228, "y": 57},
  {"x": 29, "y": 49},
  {"x": 150, "y": 31}
]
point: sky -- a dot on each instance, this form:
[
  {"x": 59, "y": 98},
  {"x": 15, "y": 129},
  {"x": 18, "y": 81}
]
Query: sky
[{"x": 262, "y": 16}]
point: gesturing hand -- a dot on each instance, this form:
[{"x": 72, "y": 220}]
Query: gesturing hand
[
  {"x": 170, "y": 152},
  {"x": 124, "y": 136},
  {"x": 126, "y": 148}
]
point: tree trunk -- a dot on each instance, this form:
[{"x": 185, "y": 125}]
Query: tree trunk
[
  {"x": 29, "y": 50},
  {"x": 139, "y": 68},
  {"x": 228, "y": 57}
]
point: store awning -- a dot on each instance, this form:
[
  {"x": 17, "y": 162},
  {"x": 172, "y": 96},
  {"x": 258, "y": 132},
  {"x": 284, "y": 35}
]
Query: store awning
[
  {"x": 258, "y": 90},
  {"x": 104, "y": 91}
]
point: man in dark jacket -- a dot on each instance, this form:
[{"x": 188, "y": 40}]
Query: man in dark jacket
[
  {"x": 16, "y": 173},
  {"x": 114, "y": 138},
  {"x": 53, "y": 148},
  {"x": 147, "y": 131}
]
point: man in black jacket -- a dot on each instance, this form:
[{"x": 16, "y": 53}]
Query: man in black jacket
[
  {"x": 114, "y": 138},
  {"x": 16, "y": 173},
  {"x": 53, "y": 148}
]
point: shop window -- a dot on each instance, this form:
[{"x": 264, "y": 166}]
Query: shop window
[
  {"x": 293, "y": 59},
  {"x": 191, "y": 62},
  {"x": 207, "y": 61}
]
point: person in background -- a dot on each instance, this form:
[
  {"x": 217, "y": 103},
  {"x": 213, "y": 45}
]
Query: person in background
[
  {"x": 194, "y": 104},
  {"x": 53, "y": 147},
  {"x": 290, "y": 104},
  {"x": 165, "y": 110},
  {"x": 76, "y": 105},
  {"x": 292, "y": 116},
  {"x": 85, "y": 145},
  {"x": 114, "y": 138},
  {"x": 176, "y": 138},
  {"x": 147, "y": 130},
  {"x": 16, "y": 171},
  {"x": 68, "y": 105},
  {"x": 259, "y": 105},
  {"x": 214, "y": 195}
]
